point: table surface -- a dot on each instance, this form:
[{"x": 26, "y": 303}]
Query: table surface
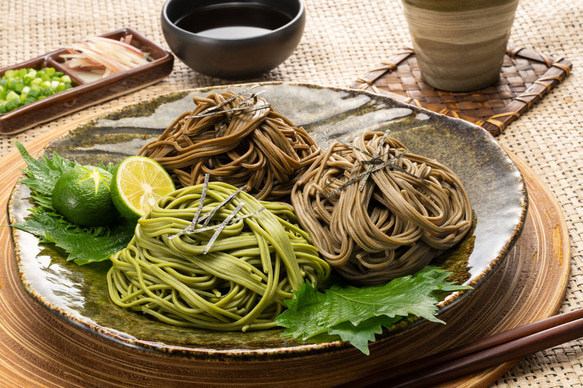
[{"x": 343, "y": 40}]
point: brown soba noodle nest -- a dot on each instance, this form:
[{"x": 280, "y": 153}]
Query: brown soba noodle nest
[
  {"x": 377, "y": 212},
  {"x": 238, "y": 139}
]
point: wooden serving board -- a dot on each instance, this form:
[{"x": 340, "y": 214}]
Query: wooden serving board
[{"x": 38, "y": 349}]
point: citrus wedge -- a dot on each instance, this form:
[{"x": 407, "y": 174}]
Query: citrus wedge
[{"x": 138, "y": 183}]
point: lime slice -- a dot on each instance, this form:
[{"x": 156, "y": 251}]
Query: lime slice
[{"x": 137, "y": 184}]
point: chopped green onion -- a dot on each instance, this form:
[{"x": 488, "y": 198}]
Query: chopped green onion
[{"x": 24, "y": 86}]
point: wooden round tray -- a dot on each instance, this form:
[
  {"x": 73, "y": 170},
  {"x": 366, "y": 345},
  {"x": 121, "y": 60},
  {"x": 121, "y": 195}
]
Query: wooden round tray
[{"x": 39, "y": 349}]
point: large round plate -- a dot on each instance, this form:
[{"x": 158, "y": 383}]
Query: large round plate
[{"x": 79, "y": 294}]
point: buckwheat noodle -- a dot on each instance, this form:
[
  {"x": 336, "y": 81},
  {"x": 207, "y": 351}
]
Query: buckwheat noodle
[
  {"x": 239, "y": 284},
  {"x": 410, "y": 209},
  {"x": 238, "y": 139}
]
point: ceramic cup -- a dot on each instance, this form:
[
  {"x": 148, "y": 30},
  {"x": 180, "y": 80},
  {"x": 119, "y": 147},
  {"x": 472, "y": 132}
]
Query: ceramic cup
[{"x": 460, "y": 44}]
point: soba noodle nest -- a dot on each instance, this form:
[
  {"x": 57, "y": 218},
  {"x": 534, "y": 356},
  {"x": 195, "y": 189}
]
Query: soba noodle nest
[
  {"x": 236, "y": 139},
  {"x": 385, "y": 223},
  {"x": 239, "y": 281}
]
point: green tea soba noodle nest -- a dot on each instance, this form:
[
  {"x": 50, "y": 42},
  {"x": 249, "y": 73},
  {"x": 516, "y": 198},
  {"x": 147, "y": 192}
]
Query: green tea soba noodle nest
[
  {"x": 376, "y": 211},
  {"x": 174, "y": 271}
]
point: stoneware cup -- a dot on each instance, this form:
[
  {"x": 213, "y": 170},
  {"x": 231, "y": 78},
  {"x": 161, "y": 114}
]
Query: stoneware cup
[{"x": 460, "y": 44}]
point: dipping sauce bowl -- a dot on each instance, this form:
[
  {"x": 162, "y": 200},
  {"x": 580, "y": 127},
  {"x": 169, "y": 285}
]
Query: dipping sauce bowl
[{"x": 233, "y": 39}]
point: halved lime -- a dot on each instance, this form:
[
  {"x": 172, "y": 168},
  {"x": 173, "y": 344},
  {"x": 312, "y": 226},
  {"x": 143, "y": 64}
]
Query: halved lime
[{"x": 138, "y": 182}]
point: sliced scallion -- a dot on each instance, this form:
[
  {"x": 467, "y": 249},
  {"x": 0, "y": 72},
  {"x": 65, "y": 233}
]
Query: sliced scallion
[{"x": 20, "y": 87}]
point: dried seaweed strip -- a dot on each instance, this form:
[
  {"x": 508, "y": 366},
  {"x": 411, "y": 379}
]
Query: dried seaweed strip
[
  {"x": 237, "y": 139},
  {"x": 376, "y": 211}
]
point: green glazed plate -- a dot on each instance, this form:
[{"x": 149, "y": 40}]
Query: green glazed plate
[{"x": 79, "y": 294}]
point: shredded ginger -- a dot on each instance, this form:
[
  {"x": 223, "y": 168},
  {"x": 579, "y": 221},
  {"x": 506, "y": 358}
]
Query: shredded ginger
[{"x": 104, "y": 56}]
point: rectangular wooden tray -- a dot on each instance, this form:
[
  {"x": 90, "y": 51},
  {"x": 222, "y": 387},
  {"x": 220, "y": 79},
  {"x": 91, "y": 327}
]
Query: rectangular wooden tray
[
  {"x": 83, "y": 93},
  {"x": 526, "y": 76}
]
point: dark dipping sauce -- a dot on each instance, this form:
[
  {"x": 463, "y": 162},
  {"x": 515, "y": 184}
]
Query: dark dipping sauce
[{"x": 233, "y": 20}]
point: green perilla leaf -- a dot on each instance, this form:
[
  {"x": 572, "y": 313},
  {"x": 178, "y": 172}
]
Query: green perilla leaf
[
  {"x": 83, "y": 245},
  {"x": 357, "y": 314}
]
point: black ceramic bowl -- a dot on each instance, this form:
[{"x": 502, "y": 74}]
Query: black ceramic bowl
[{"x": 233, "y": 39}]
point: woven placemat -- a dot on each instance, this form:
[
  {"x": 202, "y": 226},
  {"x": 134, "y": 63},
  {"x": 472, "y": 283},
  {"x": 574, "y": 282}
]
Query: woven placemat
[
  {"x": 343, "y": 40},
  {"x": 526, "y": 76}
]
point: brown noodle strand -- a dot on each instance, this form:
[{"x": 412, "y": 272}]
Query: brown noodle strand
[
  {"x": 237, "y": 139},
  {"x": 409, "y": 211}
]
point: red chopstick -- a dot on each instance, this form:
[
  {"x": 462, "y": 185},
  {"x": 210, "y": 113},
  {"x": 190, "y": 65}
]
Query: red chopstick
[{"x": 485, "y": 353}]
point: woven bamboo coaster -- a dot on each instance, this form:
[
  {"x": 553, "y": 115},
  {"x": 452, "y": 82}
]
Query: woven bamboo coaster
[{"x": 525, "y": 78}]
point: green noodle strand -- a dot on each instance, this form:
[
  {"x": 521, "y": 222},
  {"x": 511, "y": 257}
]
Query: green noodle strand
[{"x": 239, "y": 284}]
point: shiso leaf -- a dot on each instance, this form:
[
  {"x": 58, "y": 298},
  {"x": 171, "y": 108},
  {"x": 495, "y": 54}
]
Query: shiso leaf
[
  {"x": 83, "y": 245},
  {"x": 43, "y": 174},
  {"x": 357, "y": 314},
  {"x": 365, "y": 332}
]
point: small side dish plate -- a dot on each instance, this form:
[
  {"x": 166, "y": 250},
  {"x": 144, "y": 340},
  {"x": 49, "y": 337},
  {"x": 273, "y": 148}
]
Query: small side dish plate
[
  {"x": 87, "y": 93},
  {"x": 79, "y": 295}
]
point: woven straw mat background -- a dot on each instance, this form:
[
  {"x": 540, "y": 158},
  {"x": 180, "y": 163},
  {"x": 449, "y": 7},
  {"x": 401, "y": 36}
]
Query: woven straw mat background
[{"x": 343, "y": 40}]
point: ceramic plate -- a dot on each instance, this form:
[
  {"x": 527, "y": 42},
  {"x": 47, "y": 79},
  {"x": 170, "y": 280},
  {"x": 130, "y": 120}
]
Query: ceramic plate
[{"x": 79, "y": 294}]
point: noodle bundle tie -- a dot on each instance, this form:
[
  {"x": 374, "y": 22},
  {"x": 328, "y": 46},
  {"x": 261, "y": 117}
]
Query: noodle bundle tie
[
  {"x": 376, "y": 211},
  {"x": 214, "y": 257}
]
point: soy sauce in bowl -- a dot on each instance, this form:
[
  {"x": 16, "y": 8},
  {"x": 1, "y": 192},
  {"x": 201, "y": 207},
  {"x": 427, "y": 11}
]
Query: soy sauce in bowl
[
  {"x": 234, "y": 21},
  {"x": 233, "y": 39}
]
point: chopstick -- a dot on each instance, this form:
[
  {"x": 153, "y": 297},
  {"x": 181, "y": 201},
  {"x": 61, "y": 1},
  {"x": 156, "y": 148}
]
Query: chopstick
[{"x": 482, "y": 354}]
